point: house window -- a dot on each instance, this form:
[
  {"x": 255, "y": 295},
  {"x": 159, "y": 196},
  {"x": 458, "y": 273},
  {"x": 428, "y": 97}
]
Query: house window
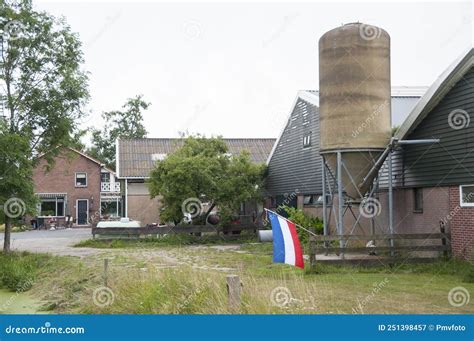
[
  {"x": 111, "y": 207},
  {"x": 53, "y": 207},
  {"x": 81, "y": 179},
  {"x": 466, "y": 193},
  {"x": 308, "y": 200},
  {"x": 313, "y": 199},
  {"x": 319, "y": 200},
  {"x": 307, "y": 140},
  {"x": 105, "y": 177},
  {"x": 418, "y": 200}
]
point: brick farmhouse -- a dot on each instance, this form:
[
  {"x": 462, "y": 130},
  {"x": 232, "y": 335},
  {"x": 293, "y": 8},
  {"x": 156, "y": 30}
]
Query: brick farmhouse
[{"x": 76, "y": 191}]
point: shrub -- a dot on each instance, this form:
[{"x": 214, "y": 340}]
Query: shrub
[
  {"x": 17, "y": 273},
  {"x": 305, "y": 220},
  {"x": 469, "y": 275}
]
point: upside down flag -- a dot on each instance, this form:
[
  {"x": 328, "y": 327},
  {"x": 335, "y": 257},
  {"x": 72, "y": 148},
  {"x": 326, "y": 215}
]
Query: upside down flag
[{"x": 286, "y": 245}]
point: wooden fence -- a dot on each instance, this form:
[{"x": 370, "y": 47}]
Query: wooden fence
[
  {"x": 137, "y": 232},
  {"x": 394, "y": 248}
]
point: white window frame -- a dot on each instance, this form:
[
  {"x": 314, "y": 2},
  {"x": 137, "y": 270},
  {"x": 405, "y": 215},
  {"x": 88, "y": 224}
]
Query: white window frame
[
  {"x": 461, "y": 203},
  {"x": 118, "y": 201},
  {"x": 75, "y": 180},
  {"x": 101, "y": 173},
  {"x": 307, "y": 143}
]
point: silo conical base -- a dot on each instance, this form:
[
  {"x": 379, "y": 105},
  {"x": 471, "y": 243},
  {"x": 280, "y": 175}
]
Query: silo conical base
[{"x": 356, "y": 165}]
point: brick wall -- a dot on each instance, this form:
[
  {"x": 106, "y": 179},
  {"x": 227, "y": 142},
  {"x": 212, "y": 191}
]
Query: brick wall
[
  {"x": 462, "y": 226},
  {"x": 140, "y": 206},
  {"x": 61, "y": 179},
  {"x": 439, "y": 204},
  {"x": 435, "y": 208}
]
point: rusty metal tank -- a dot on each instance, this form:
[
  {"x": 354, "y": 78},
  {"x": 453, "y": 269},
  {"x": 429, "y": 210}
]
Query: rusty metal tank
[{"x": 354, "y": 88}]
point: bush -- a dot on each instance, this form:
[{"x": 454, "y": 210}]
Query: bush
[
  {"x": 301, "y": 218},
  {"x": 469, "y": 275},
  {"x": 16, "y": 272}
]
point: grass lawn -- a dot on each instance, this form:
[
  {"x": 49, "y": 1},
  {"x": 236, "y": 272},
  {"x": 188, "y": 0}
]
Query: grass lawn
[{"x": 170, "y": 276}]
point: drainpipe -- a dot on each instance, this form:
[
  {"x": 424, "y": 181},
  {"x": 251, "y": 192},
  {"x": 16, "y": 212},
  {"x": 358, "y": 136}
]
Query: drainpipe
[{"x": 126, "y": 198}]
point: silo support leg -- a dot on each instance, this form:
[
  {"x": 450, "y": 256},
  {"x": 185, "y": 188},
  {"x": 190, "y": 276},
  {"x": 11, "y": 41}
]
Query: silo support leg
[
  {"x": 390, "y": 199},
  {"x": 340, "y": 202}
]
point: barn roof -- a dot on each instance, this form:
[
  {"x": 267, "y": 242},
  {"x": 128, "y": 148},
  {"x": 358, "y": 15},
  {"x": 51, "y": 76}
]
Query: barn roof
[{"x": 136, "y": 157}]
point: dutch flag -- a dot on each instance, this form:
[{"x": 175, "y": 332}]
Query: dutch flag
[{"x": 286, "y": 245}]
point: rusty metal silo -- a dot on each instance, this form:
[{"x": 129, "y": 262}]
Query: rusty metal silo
[{"x": 354, "y": 85}]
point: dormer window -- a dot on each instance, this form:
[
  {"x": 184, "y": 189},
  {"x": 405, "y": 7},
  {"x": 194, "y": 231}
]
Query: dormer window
[{"x": 158, "y": 156}]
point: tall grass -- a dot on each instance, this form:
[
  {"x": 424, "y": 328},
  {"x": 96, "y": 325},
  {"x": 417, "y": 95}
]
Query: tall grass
[
  {"x": 188, "y": 291},
  {"x": 18, "y": 271}
]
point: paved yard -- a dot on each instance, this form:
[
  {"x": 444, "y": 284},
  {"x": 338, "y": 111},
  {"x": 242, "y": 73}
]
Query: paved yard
[{"x": 58, "y": 242}]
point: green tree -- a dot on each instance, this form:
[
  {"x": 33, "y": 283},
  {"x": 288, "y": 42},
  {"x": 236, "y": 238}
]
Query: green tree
[
  {"x": 203, "y": 169},
  {"x": 124, "y": 124},
  {"x": 44, "y": 90}
]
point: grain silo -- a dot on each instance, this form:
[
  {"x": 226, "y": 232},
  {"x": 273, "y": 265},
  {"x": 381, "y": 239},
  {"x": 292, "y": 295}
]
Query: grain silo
[{"x": 354, "y": 85}]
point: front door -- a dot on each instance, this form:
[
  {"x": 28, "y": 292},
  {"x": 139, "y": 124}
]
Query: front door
[{"x": 82, "y": 208}]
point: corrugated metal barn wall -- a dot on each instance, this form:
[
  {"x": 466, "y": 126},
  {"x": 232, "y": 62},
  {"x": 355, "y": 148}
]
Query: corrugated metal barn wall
[
  {"x": 293, "y": 167},
  {"x": 451, "y": 162}
]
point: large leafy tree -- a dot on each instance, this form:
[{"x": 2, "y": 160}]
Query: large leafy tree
[
  {"x": 119, "y": 124},
  {"x": 43, "y": 90},
  {"x": 203, "y": 169}
]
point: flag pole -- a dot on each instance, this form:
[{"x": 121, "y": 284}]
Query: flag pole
[{"x": 299, "y": 226}]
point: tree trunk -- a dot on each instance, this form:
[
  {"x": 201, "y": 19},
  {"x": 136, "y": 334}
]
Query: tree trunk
[
  {"x": 209, "y": 211},
  {"x": 8, "y": 231}
]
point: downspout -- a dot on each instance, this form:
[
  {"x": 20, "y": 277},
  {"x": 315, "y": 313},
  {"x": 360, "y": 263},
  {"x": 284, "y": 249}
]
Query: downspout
[{"x": 126, "y": 198}]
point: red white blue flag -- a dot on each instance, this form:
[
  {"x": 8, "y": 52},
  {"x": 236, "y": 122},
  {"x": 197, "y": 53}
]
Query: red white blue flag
[{"x": 286, "y": 245}]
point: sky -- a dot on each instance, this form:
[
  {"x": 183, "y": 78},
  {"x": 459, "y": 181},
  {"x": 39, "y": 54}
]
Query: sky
[{"x": 234, "y": 69}]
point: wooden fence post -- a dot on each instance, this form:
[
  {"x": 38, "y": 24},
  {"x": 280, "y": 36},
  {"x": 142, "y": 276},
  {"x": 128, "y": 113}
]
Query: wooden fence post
[
  {"x": 106, "y": 270},
  {"x": 312, "y": 253},
  {"x": 443, "y": 239},
  {"x": 234, "y": 291}
]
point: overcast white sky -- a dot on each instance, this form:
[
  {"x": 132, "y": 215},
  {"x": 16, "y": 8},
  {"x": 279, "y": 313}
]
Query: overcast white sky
[{"x": 234, "y": 69}]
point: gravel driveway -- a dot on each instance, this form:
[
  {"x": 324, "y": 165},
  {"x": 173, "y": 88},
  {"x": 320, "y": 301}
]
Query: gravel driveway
[{"x": 58, "y": 242}]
